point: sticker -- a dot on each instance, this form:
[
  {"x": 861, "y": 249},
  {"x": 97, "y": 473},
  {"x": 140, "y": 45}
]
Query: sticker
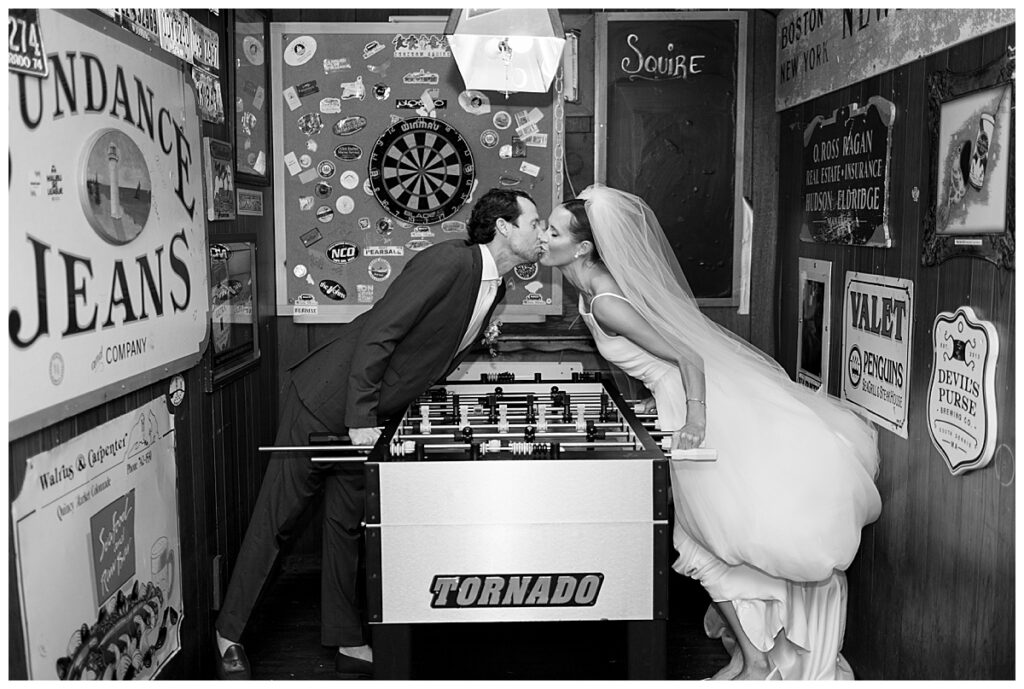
[
  {"x": 307, "y": 176},
  {"x": 311, "y": 123},
  {"x": 364, "y": 223},
  {"x": 475, "y": 102},
  {"x": 367, "y": 189},
  {"x": 292, "y": 98},
  {"x": 364, "y": 294},
  {"x": 345, "y": 204},
  {"x": 417, "y": 244},
  {"x": 336, "y": 64},
  {"x": 421, "y": 231},
  {"x": 332, "y": 290},
  {"x": 305, "y": 160},
  {"x": 305, "y": 203},
  {"x": 526, "y": 271},
  {"x": 324, "y": 213},
  {"x": 349, "y": 179},
  {"x": 371, "y": 49},
  {"x": 307, "y": 88},
  {"x": 378, "y": 251},
  {"x": 247, "y": 123},
  {"x": 395, "y": 119},
  {"x": 330, "y": 106},
  {"x": 305, "y": 305},
  {"x": 311, "y": 145},
  {"x": 537, "y": 140},
  {"x": 252, "y": 48},
  {"x": 385, "y": 226},
  {"x": 381, "y": 91},
  {"x": 488, "y": 138},
  {"x": 292, "y": 163},
  {"x": 299, "y": 271},
  {"x": 533, "y": 299},
  {"x": 300, "y": 51},
  {"x": 348, "y": 152},
  {"x": 419, "y": 104},
  {"x": 379, "y": 269},
  {"x": 257, "y": 100},
  {"x": 507, "y": 181},
  {"x": 420, "y": 76},
  {"x": 347, "y": 126},
  {"x": 381, "y": 69},
  {"x": 342, "y": 252},
  {"x": 322, "y": 189},
  {"x": 325, "y": 169},
  {"x": 353, "y": 89},
  {"x": 421, "y": 45},
  {"x": 453, "y": 226},
  {"x": 528, "y": 129},
  {"x": 502, "y": 120},
  {"x": 516, "y": 149},
  {"x": 176, "y": 390},
  {"x": 311, "y": 237},
  {"x": 529, "y": 169},
  {"x": 260, "y": 164}
]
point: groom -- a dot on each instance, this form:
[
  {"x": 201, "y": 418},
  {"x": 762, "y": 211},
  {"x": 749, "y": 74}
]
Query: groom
[{"x": 414, "y": 336}]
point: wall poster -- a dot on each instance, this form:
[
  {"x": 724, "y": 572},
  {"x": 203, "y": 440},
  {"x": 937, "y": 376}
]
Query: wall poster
[
  {"x": 104, "y": 505},
  {"x": 107, "y": 233},
  {"x": 380, "y": 151},
  {"x": 814, "y": 331},
  {"x": 878, "y": 319}
]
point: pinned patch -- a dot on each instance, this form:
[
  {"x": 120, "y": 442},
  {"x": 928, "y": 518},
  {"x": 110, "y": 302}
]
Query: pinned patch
[
  {"x": 421, "y": 231},
  {"x": 322, "y": 189},
  {"x": 384, "y": 226},
  {"x": 507, "y": 181},
  {"x": 529, "y": 169},
  {"x": 299, "y": 271},
  {"x": 516, "y": 149},
  {"x": 353, "y": 89},
  {"x": 307, "y": 176},
  {"x": 367, "y": 189},
  {"x": 311, "y": 145},
  {"x": 300, "y": 51},
  {"x": 381, "y": 91},
  {"x": 332, "y": 290},
  {"x": 381, "y": 69},
  {"x": 364, "y": 223},
  {"x": 379, "y": 269},
  {"x": 325, "y": 169},
  {"x": 488, "y": 138},
  {"x": 305, "y": 160},
  {"x": 453, "y": 226},
  {"x": 345, "y": 204},
  {"x": 342, "y": 252},
  {"x": 475, "y": 102},
  {"x": 307, "y": 88},
  {"x": 421, "y": 76},
  {"x": 371, "y": 49},
  {"x": 349, "y": 179},
  {"x": 291, "y": 161},
  {"x": 526, "y": 271},
  {"x": 292, "y": 98},
  {"x": 417, "y": 244},
  {"x": 324, "y": 213},
  {"x": 305, "y": 305},
  {"x": 502, "y": 120},
  {"x": 330, "y": 106},
  {"x": 311, "y": 123},
  {"x": 347, "y": 126},
  {"x": 311, "y": 237},
  {"x": 336, "y": 64},
  {"x": 421, "y": 45},
  {"x": 305, "y": 203},
  {"x": 252, "y": 48},
  {"x": 348, "y": 152},
  {"x": 364, "y": 294},
  {"x": 379, "y": 251}
]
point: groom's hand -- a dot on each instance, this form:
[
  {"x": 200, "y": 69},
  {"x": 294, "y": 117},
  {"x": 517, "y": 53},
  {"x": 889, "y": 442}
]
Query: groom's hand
[{"x": 363, "y": 436}]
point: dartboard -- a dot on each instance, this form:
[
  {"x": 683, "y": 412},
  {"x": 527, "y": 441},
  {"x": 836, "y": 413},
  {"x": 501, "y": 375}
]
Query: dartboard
[{"x": 421, "y": 170}]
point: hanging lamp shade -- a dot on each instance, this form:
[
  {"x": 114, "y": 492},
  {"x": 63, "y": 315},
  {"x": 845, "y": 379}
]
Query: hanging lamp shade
[{"x": 510, "y": 50}]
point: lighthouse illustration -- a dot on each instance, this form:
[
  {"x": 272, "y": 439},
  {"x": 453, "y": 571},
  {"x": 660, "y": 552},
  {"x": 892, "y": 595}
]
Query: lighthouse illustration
[{"x": 113, "y": 158}]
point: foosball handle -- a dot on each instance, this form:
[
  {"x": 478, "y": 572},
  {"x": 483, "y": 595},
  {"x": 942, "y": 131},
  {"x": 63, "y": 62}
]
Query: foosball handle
[{"x": 696, "y": 454}]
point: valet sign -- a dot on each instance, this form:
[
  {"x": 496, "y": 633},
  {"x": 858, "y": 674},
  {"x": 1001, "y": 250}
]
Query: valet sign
[
  {"x": 107, "y": 247},
  {"x": 878, "y": 315},
  {"x": 961, "y": 392}
]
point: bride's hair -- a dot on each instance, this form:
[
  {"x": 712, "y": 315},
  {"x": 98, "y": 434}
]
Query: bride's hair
[{"x": 579, "y": 226}]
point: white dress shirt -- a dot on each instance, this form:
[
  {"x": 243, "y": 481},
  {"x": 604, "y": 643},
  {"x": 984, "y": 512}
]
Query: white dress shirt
[{"x": 489, "y": 281}]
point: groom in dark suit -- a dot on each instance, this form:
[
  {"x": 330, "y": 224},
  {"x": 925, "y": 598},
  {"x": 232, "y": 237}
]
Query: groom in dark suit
[{"x": 414, "y": 336}]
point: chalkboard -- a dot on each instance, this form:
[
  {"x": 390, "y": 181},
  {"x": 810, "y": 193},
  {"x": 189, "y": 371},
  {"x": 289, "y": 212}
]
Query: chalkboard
[
  {"x": 669, "y": 113},
  {"x": 380, "y": 151}
]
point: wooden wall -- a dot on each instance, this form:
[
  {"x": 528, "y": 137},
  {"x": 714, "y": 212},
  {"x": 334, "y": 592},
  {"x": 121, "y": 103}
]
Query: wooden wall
[
  {"x": 932, "y": 589},
  {"x": 216, "y": 435}
]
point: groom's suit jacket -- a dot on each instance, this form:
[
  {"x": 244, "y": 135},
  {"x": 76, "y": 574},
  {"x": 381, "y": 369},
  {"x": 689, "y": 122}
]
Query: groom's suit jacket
[{"x": 394, "y": 352}]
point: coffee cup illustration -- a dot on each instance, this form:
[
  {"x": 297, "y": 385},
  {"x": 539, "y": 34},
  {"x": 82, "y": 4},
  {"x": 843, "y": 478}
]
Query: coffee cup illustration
[
  {"x": 161, "y": 559},
  {"x": 979, "y": 159}
]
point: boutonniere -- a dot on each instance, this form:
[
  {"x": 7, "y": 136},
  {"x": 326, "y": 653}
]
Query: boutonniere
[{"x": 490, "y": 338}]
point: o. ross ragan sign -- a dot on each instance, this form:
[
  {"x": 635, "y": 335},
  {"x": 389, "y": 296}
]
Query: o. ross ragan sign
[{"x": 107, "y": 243}]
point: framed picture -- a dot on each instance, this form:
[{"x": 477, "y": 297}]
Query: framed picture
[
  {"x": 249, "y": 84},
  {"x": 234, "y": 332},
  {"x": 220, "y": 179},
  {"x": 814, "y": 329},
  {"x": 972, "y": 176}
]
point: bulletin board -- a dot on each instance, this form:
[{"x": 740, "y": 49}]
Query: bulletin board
[
  {"x": 379, "y": 152},
  {"x": 669, "y": 116}
]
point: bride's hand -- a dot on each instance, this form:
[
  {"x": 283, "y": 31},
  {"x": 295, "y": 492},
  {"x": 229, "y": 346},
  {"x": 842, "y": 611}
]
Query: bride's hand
[
  {"x": 648, "y": 406},
  {"x": 689, "y": 436}
]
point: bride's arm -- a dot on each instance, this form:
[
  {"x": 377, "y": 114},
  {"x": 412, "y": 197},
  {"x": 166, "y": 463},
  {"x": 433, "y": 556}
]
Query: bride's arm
[{"x": 618, "y": 316}]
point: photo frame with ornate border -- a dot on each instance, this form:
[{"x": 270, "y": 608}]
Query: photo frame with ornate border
[
  {"x": 250, "y": 91},
  {"x": 970, "y": 119},
  {"x": 814, "y": 323}
]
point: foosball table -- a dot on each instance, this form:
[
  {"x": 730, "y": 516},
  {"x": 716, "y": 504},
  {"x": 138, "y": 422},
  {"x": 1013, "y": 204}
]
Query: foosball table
[{"x": 512, "y": 500}]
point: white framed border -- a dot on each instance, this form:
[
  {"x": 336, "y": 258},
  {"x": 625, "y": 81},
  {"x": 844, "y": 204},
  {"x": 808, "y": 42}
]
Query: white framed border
[{"x": 814, "y": 323}]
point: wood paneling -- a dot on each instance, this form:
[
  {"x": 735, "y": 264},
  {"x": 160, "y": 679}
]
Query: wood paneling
[{"x": 931, "y": 590}]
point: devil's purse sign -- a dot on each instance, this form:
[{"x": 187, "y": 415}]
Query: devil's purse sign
[{"x": 107, "y": 246}]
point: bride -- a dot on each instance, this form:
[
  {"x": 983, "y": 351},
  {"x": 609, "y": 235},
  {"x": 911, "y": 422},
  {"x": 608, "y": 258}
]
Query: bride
[{"x": 769, "y": 528}]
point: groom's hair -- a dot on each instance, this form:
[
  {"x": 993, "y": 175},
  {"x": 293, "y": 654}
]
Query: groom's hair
[
  {"x": 496, "y": 203},
  {"x": 579, "y": 226}
]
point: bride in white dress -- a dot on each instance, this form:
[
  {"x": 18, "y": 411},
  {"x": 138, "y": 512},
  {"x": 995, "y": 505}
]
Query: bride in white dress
[{"x": 769, "y": 528}]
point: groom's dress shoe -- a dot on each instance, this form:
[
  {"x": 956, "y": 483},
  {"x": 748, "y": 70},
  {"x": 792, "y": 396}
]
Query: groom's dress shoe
[
  {"x": 234, "y": 664},
  {"x": 348, "y": 667}
]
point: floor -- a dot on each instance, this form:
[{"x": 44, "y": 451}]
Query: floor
[{"x": 283, "y": 640}]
